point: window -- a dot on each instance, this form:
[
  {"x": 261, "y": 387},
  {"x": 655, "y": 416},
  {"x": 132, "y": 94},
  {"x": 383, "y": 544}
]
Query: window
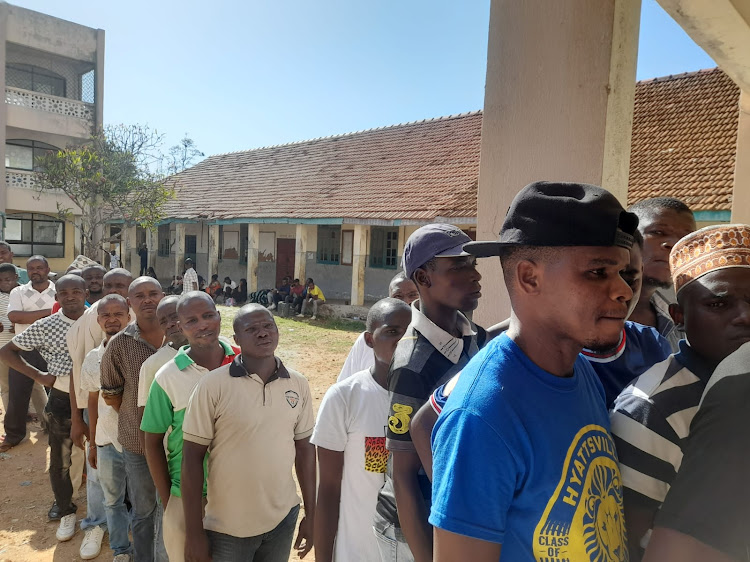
[
  {"x": 22, "y": 154},
  {"x": 329, "y": 244},
  {"x": 384, "y": 247},
  {"x": 35, "y": 79},
  {"x": 165, "y": 244},
  {"x": 30, "y": 234}
]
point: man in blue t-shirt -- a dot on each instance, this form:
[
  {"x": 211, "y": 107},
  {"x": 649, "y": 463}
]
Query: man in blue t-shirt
[
  {"x": 524, "y": 464},
  {"x": 640, "y": 347}
]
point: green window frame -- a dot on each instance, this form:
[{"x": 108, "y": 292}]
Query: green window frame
[
  {"x": 384, "y": 247},
  {"x": 329, "y": 244}
]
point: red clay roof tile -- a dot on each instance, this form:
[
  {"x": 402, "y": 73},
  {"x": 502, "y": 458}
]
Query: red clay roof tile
[{"x": 684, "y": 137}]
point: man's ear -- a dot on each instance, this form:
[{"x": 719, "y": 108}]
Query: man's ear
[
  {"x": 368, "y": 339},
  {"x": 677, "y": 314},
  {"x": 422, "y": 278},
  {"x": 528, "y": 277}
]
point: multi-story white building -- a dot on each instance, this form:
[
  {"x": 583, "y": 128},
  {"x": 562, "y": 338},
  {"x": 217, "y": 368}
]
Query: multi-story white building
[{"x": 53, "y": 74}]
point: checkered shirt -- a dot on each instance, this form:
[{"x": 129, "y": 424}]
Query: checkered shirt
[
  {"x": 190, "y": 281},
  {"x": 48, "y": 337},
  {"x": 25, "y": 298}
]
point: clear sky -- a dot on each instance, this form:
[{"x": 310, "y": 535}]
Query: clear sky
[{"x": 236, "y": 75}]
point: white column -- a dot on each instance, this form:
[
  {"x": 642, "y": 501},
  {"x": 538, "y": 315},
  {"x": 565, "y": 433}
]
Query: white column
[
  {"x": 152, "y": 243},
  {"x": 555, "y": 109},
  {"x": 213, "y": 250},
  {"x": 253, "y": 244},
  {"x": 359, "y": 261},
  {"x": 179, "y": 252},
  {"x": 127, "y": 243},
  {"x": 300, "y": 253},
  {"x": 741, "y": 188}
]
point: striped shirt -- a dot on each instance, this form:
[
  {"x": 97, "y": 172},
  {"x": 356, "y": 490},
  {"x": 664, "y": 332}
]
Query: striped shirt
[{"x": 651, "y": 421}]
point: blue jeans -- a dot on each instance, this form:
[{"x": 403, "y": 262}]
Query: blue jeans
[
  {"x": 392, "y": 544},
  {"x": 95, "y": 511},
  {"x": 273, "y": 546},
  {"x": 111, "y": 474},
  {"x": 146, "y": 515}
]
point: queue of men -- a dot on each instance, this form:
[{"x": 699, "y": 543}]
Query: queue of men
[{"x": 578, "y": 429}]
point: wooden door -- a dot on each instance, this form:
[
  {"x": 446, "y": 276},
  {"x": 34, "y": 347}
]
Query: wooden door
[{"x": 284, "y": 258}]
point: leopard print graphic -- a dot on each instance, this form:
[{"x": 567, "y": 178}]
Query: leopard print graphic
[{"x": 376, "y": 455}]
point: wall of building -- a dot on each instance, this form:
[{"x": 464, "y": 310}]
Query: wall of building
[{"x": 46, "y": 33}]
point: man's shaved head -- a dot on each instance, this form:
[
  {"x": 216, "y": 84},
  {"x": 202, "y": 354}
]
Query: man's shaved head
[
  {"x": 170, "y": 300},
  {"x": 191, "y": 296},
  {"x": 70, "y": 280},
  {"x": 114, "y": 298},
  {"x": 144, "y": 280},
  {"x": 119, "y": 271},
  {"x": 247, "y": 310},
  {"x": 381, "y": 310}
]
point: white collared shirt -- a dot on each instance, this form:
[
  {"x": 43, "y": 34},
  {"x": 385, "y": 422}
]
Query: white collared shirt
[{"x": 447, "y": 344}]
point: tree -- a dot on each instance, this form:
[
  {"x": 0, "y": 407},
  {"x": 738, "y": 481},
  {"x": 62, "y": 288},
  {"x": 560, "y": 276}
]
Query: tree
[
  {"x": 183, "y": 155},
  {"x": 113, "y": 177}
]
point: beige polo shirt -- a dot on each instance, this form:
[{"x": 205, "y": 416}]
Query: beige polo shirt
[{"x": 250, "y": 429}]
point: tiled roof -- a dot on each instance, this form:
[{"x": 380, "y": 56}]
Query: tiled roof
[
  {"x": 684, "y": 137},
  {"x": 418, "y": 171}
]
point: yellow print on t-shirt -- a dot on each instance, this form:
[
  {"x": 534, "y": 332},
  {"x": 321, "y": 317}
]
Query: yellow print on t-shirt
[{"x": 584, "y": 521}]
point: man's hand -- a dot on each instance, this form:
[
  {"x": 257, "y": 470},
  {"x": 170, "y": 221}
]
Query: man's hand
[
  {"x": 78, "y": 431},
  {"x": 92, "y": 455},
  {"x": 304, "y": 542},
  {"x": 197, "y": 548}
]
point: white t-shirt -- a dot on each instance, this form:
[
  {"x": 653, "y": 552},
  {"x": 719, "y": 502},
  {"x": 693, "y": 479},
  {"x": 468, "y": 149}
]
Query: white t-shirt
[
  {"x": 106, "y": 423},
  {"x": 360, "y": 357},
  {"x": 114, "y": 261},
  {"x": 352, "y": 419}
]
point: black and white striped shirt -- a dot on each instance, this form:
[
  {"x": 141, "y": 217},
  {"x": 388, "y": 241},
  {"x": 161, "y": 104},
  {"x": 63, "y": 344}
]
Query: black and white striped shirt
[{"x": 651, "y": 421}]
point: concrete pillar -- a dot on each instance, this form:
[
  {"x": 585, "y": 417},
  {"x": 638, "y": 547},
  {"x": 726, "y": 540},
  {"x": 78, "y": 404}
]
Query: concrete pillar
[
  {"x": 558, "y": 109},
  {"x": 213, "y": 251},
  {"x": 359, "y": 261},
  {"x": 3, "y": 114},
  {"x": 99, "y": 79},
  {"x": 401, "y": 243},
  {"x": 152, "y": 244},
  {"x": 179, "y": 252},
  {"x": 300, "y": 253},
  {"x": 741, "y": 188},
  {"x": 127, "y": 246},
  {"x": 253, "y": 245}
]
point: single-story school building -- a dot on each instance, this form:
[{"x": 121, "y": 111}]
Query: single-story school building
[{"x": 339, "y": 209}]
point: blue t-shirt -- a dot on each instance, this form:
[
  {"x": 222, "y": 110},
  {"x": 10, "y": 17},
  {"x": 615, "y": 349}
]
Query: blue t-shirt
[
  {"x": 641, "y": 347},
  {"x": 525, "y": 459}
]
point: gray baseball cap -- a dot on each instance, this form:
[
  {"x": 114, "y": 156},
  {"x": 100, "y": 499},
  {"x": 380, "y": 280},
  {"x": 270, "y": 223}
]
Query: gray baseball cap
[{"x": 433, "y": 241}]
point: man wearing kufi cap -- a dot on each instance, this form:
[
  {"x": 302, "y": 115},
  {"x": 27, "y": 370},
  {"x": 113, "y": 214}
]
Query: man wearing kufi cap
[
  {"x": 524, "y": 465},
  {"x": 651, "y": 417}
]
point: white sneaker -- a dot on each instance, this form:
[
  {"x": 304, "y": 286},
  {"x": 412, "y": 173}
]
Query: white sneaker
[
  {"x": 313, "y": 317},
  {"x": 67, "y": 528},
  {"x": 300, "y": 316},
  {"x": 121, "y": 558},
  {"x": 91, "y": 545},
  {"x": 272, "y": 307}
]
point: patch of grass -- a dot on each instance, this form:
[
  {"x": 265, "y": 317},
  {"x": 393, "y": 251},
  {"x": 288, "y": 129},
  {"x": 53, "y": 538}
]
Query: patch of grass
[{"x": 304, "y": 333}]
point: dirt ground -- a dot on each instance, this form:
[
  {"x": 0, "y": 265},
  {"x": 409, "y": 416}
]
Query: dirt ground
[{"x": 312, "y": 348}]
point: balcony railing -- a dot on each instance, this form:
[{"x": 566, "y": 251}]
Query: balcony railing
[
  {"x": 52, "y": 104},
  {"x": 20, "y": 178}
]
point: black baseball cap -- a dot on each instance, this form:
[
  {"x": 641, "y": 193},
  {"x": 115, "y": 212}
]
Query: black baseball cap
[{"x": 562, "y": 214}]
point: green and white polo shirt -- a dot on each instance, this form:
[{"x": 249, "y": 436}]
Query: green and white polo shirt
[{"x": 166, "y": 403}]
